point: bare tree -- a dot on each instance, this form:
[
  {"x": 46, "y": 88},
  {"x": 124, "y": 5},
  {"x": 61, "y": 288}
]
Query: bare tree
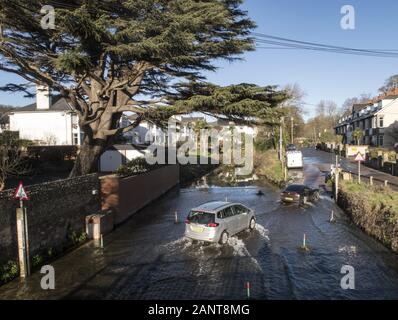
[
  {"x": 390, "y": 83},
  {"x": 296, "y": 96},
  {"x": 329, "y": 111},
  {"x": 348, "y": 103},
  {"x": 50, "y": 139},
  {"x": 11, "y": 164}
]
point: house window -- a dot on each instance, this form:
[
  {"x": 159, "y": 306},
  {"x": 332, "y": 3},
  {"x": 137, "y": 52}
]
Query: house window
[
  {"x": 381, "y": 141},
  {"x": 75, "y": 139},
  {"x": 381, "y": 122}
]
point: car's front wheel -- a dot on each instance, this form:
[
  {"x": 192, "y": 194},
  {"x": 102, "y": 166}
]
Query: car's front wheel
[
  {"x": 252, "y": 224},
  {"x": 304, "y": 200},
  {"x": 224, "y": 238}
]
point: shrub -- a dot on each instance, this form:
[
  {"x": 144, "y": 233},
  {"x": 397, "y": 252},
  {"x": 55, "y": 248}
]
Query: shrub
[
  {"x": 267, "y": 164},
  {"x": 52, "y": 153},
  {"x": 37, "y": 260},
  {"x": 8, "y": 271},
  {"x": 134, "y": 167},
  {"x": 263, "y": 144}
]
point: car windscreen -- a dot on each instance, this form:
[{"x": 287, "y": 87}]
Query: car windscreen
[
  {"x": 201, "y": 217},
  {"x": 294, "y": 188}
]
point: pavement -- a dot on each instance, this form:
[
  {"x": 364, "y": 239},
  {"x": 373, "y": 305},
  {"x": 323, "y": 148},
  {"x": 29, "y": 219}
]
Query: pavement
[{"x": 326, "y": 159}]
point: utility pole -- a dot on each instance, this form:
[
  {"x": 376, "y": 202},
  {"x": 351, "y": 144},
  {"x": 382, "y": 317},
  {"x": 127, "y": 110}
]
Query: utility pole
[
  {"x": 281, "y": 158},
  {"x": 336, "y": 179},
  {"x": 281, "y": 140},
  {"x": 314, "y": 136},
  {"x": 292, "y": 129}
]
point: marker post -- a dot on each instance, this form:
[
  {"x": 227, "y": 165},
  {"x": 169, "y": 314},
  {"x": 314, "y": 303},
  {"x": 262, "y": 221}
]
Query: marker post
[
  {"x": 22, "y": 232},
  {"x": 359, "y": 158}
]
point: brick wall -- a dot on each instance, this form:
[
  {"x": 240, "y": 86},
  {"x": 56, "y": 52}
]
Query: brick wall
[
  {"x": 55, "y": 211},
  {"x": 129, "y": 194}
]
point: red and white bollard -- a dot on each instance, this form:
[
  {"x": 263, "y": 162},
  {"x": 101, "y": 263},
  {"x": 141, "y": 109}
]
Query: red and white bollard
[{"x": 248, "y": 289}]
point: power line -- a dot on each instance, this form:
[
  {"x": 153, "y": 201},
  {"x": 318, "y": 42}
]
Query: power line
[
  {"x": 323, "y": 49},
  {"x": 272, "y": 42},
  {"x": 262, "y": 35},
  {"x": 279, "y": 42}
]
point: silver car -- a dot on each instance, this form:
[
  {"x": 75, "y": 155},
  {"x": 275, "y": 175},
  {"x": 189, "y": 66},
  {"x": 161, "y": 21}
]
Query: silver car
[{"x": 217, "y": 221}]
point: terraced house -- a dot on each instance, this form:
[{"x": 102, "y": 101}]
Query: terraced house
[{"x": 376, "y": 118}]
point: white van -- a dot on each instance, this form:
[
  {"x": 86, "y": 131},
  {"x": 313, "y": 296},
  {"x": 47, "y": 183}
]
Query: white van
[{"x": 294, "y": 159}]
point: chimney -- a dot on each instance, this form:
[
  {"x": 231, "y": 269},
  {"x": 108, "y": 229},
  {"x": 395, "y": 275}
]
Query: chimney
[{"x": 43, "y": 98}]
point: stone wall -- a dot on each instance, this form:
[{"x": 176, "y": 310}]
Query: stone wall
[{"x": 56, "y": 214}]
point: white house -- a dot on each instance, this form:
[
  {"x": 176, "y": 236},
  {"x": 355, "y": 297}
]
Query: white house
[
  {"x": 147, "y": 132},
  {"x": 49, "y": 121},
  {"x": 118, "y": 155},
  {"x": 224, "y": 124},
  {"x": 374, "y": 119}
]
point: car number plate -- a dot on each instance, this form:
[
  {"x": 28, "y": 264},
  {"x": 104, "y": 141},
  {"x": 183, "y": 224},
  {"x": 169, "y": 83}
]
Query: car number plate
[
  {"x": 197, "y": 229},
  {"x": 289, "y": 199}
]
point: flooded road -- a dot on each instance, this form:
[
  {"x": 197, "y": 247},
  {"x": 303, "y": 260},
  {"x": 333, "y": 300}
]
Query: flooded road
[{"x": 149, "y": 258}]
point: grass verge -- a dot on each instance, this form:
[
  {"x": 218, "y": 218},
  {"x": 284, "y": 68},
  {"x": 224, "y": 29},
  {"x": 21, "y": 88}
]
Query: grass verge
[
  {"x": 374, "y": 209},
  {"x": 267, "y": 164}
]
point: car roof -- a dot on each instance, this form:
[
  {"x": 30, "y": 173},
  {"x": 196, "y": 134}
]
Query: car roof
[
  {"x": 214, "y": 206},
  {"x": 301, "y": 186}
]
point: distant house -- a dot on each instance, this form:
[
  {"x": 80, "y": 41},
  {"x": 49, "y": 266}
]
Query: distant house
[
  {"x": 182, "y": 126},
  {"x": 147, "y": 132},
  {"x": 118, "y": 155},
  {"x": 372, "y": 118},
  {"x": 48, "y": 121},
  {"x": 221, "y": 124}
]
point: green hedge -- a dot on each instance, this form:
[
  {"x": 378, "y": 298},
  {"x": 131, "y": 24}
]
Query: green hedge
[{"x": 52, "y": 153}]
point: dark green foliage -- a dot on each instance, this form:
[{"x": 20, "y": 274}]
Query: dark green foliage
[
  {"x": 52, "y": 153},
  {"x": 9, "y": 139},
  {"x": 102, "y": 54},
  {"x": 243, "y": 102},
  {"x": 8, "y": 271}
]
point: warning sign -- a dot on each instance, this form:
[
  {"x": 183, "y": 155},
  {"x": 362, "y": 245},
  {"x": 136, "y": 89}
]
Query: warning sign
[
  {"x": 20, "y": 193},
  {"x": 359, "y": 157}
]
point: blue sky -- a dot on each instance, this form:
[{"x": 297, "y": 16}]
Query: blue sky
[{"x": 323, "y": 76}]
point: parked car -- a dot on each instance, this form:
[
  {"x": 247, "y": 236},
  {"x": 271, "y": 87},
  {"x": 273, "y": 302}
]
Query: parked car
[
  {"x": 294, "y": 160},
  {"x": 217, "y": 221},
  {"x": 299, "y": 193},
  {"x": 291, "y": 147}
]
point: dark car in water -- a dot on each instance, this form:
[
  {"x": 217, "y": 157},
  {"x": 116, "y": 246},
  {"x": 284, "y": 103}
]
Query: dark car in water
[
  {"x": 299, "y": 193},
  {"x": 291, "y": 147}
]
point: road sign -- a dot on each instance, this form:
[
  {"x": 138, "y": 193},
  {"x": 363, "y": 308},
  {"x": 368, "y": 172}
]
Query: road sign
[
  {"x": 359, "y": 157},
  {"x": 20, "y": 193}
]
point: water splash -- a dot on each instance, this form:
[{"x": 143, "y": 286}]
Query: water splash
[
  {"x": 262, "y": 231},
  {"x": 351, "y": 250}
]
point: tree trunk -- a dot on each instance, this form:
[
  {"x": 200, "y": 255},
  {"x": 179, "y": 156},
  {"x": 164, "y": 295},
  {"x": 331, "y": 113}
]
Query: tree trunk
[{"x": 88, "y": 158}]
